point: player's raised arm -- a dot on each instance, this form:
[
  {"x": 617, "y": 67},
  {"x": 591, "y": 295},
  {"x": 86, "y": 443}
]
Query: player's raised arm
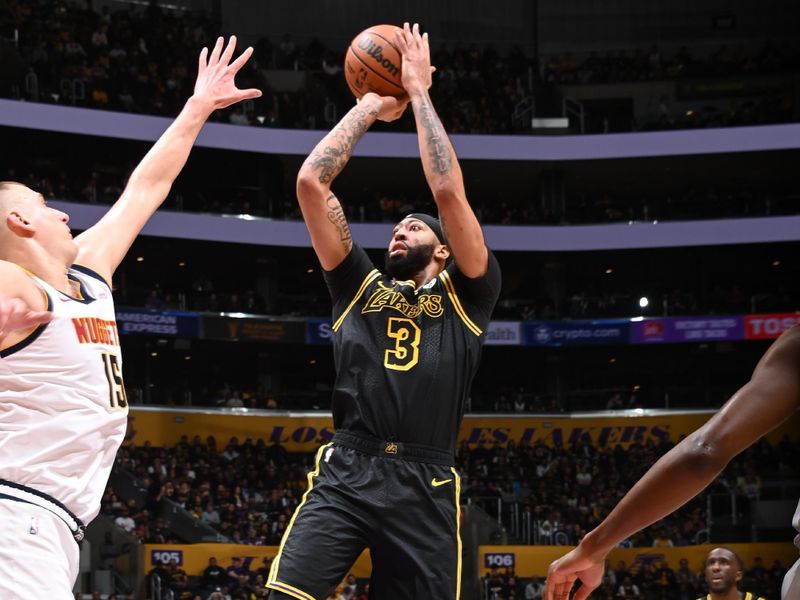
[
  {"x": 322, "y": 211},
  {"x": 103, "y": 246},
  {"x": 439, "y": 161},
  {"x": 770, "y": 397}
]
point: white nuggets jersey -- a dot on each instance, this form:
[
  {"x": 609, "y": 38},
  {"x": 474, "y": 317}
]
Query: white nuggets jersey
[{"x": 63, "y": 409}]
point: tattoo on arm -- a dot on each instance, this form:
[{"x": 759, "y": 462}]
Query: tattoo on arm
[
  {"x": 331, "y": 155},
  {"x": 336, "y": 216},
  {"x": 439, "y": 156}
]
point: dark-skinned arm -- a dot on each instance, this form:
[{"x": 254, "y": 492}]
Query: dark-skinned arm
[{"x": 439, "y": 161}]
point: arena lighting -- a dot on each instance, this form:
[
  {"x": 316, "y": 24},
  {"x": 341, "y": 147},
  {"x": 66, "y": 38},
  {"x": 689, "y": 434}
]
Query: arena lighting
[
  {"x": 140, "y": 259},
  {"x": 643, "y": 302},
  {"x": 609, "y": 271}
]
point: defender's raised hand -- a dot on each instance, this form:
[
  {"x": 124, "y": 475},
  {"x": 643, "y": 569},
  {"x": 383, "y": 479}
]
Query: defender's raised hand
[
  {"x": 417, "y": 69},
  {"x": 215, "y": 84}
]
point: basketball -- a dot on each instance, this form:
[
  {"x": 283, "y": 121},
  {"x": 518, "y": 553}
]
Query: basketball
[{"x": 373, "y": 63}]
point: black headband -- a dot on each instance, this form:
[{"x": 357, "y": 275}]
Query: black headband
[{"x": 431, "y": 222}]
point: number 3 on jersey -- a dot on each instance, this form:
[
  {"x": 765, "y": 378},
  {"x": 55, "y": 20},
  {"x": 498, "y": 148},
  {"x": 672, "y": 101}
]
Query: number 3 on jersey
[
  {"x": 406, "y": 335},
  {"x": 116, "y": 387}
]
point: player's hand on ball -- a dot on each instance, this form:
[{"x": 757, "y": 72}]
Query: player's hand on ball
[
  {"x": 389, "y": 107},
  {"x": 16, "y": 314}
]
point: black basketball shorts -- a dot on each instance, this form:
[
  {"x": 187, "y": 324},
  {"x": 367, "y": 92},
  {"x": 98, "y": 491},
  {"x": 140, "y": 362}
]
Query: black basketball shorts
[{"x": 399, "y": 500}]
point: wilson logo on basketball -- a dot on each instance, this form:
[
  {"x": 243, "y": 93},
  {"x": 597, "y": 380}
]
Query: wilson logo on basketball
[{"x": 375, "y": 52}]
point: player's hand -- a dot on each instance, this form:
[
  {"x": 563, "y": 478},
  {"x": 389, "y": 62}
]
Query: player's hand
[
  {"x": 389, "y": 108},
  {"x": 15, "y": 314},
  {"x": 563, "y": 573},
  {"x": 215, "y": 84},
  {"x": 416, "y": 74}
]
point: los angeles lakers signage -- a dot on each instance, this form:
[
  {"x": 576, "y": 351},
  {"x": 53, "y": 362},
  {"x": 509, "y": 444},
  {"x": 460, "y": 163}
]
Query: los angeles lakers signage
[{"x": 304, "y": 432}]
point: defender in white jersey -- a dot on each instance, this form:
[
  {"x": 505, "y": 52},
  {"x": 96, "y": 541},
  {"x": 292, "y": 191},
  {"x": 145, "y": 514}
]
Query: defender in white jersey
[
  {"x": 62, "y": 398},
  {"x": 770, "y": 397}
]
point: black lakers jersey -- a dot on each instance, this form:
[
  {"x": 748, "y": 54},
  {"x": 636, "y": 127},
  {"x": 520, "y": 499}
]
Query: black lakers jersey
[{"x": 405, "y": 357}]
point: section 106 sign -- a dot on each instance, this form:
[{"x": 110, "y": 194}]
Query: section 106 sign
[{"x": 498, "y": 560}]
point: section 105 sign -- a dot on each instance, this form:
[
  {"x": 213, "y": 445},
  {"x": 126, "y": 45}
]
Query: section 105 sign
[
  {"x": 165, "y": 557},
  {"x": 498, "y": 560}
]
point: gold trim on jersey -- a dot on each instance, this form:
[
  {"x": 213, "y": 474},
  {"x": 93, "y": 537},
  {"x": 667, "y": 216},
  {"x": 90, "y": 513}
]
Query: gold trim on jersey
[
  {"x": 272, "y": 581},
  {"x": 291, "y": 591},
  {"x": 458, "y": 530},
  {"x": 451, "y": 291},
  {"x": 371, "y": 276}
]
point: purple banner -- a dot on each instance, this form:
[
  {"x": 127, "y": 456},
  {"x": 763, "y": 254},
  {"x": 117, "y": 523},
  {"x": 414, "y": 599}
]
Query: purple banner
[
  {"x": 687, "y": 329},
  {"x": 104, "y": 123}
]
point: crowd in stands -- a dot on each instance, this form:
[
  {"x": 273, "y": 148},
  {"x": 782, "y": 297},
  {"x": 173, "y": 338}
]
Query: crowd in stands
[
  {"x": 648, "y": 579},
  {"x": 653, "y": 64},
  {"x": 382, "y": 206},
  {"x": 247, "y": 490},
  {"x": 580, "y": 304},
  {"x": 141, "y": 59},
  {"x": 241, "y": 580}
]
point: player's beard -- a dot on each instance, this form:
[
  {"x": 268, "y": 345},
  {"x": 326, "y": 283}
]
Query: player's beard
[{"x": 415, "y": 260}]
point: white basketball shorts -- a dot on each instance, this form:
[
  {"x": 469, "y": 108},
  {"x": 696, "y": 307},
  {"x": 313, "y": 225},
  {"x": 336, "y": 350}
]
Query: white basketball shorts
[{"x": 39, "y": 558}]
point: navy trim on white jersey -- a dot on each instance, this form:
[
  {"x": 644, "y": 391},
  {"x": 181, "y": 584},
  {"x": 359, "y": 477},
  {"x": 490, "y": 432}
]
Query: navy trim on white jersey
[{"x": 91, "y": 273}]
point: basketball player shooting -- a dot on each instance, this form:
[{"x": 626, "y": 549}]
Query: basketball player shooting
[
  {"x": 770, "y": 397},
  {"x": 406, "y": 345},
  {"x": 62, "y": 399}
]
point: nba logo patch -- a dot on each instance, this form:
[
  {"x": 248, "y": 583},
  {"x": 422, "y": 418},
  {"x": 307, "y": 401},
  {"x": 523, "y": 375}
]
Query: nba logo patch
[
  {"x": 328, "y": 454},
  {"x": 34, "y": 528}
]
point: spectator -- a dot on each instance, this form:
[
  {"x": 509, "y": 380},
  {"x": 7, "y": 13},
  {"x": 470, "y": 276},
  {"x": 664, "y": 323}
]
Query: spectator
[
  {"x": 238, "y": 575},
  {"x": 214, "y": 577},
  {"x": 628, "y": 590},
  {"x": 124, "y": 520},
  {"x": 534, "y": 589}
]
